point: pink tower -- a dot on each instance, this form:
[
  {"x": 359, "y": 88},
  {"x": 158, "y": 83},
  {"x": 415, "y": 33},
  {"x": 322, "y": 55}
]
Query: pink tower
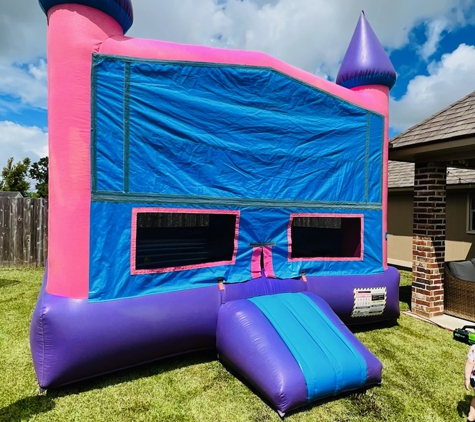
[{"x": 366, "y": 69}]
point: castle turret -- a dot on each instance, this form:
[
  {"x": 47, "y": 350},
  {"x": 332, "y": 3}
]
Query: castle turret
[
  {"x": 366, "y": 68},
  {"x": 365, "y": 61}
]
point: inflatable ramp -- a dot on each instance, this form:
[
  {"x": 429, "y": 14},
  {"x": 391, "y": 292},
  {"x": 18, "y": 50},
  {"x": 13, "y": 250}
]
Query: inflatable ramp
[{"x": 293, "y": 349}]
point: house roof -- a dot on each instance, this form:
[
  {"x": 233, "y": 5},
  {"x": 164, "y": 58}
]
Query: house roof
[
  {"x": 8, "y": 194},
  {"x": 401, "y": 175},
  {"x": 456, "y": 120}
]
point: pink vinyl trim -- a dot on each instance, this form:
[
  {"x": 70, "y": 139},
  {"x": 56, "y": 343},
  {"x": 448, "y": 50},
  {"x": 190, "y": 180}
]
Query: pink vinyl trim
[
  {"x": 133, "y": 243},
  {"x": 268, "y": 265},
  {"x": 256, "y": 262},
  {"x": 289, "y": 237}
]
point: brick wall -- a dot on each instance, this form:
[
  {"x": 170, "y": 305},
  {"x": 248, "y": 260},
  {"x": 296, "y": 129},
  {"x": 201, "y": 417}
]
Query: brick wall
[{"x": 428, "y": 245}]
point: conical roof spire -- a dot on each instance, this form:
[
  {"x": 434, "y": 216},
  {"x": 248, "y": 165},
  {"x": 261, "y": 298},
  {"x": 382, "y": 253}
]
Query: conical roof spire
[{"x": 365, "y": 61}]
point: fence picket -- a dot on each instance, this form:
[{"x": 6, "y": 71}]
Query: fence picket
[{"x": 23, "y": 232}]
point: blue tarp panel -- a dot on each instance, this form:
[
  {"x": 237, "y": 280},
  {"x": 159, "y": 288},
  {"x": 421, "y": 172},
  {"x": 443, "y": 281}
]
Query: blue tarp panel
[
  {"x": 187, "y": 135},
  {"x": 108, "y": 156},
  {"x": 226, "y": 132},
  {"x": 232, "y": 132}
]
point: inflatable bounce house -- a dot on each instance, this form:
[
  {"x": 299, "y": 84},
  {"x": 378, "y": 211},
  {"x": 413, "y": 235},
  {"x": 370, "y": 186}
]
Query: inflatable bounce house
[{"x": 204, "y": 198}]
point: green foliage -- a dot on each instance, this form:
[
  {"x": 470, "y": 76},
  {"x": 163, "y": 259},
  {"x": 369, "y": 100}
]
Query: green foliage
[
  {"x": 422, "y": 378},
  {"x": 14, "y": 175},
  {"x": 39, "y": 172}
]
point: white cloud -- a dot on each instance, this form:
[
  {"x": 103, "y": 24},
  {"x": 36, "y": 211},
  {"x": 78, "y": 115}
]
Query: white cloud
[
  {"x": 39, "y": 72},
  {"x": 310, "y": 34},
  {"x": 434, "y": 32},
  {"x": 27, "y": 82},
  {"x": 22, "y": 31},
  {"x": 22, "y": 56},
  {"x": 449, "y": 80},
  {"x": 21, "y": 141}
]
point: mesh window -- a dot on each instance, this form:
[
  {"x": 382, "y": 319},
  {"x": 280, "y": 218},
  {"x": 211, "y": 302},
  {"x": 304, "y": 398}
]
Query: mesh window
[{"x": 325, "y": 237}]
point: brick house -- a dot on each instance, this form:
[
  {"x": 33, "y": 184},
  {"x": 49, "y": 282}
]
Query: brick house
[{"x": 431, "y": 211}]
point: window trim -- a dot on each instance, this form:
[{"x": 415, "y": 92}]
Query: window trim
[
  {"x": 133, "y": 243},
  {"x": 470, "y": 223},
  {"x": 325, "y": 215}
]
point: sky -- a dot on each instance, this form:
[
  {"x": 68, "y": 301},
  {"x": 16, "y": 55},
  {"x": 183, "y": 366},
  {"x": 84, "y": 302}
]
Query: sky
[{"x": 431, "y": 44}]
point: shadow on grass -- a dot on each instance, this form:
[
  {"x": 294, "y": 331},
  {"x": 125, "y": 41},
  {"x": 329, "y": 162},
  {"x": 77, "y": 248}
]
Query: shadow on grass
[
  {"x": 378, "y": 325},
  {"x": 364, "y": 404},
  {"x": 405, "y": 295},
  {"x": 5, "y": 282},
  {"x": 144, "y": 370},
  {"x": 26, "y": 408},
  {"x": 464, "y": 405}
]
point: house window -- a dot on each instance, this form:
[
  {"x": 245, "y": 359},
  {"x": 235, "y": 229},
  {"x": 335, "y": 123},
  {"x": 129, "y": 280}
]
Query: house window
[
  {"x": 471, "y": 213},
  {"x": 166, "y": 240},
  {"x": 326, "y": 237}
]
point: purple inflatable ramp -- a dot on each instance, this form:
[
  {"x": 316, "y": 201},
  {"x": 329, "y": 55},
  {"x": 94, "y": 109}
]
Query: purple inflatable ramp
[{"x": 293, "y": 349}]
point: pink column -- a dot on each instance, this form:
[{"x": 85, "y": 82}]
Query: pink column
[
  {"x": 378, "y": 99},
  {"x": 74, "y": 33}
]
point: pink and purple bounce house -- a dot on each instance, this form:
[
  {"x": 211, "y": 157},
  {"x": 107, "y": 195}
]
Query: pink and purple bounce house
[{"x": 204, "y": 198}]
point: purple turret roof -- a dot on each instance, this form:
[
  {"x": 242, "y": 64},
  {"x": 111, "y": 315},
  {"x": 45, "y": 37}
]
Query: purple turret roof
[
  {"x": 365, "y": 61},
  {"x": 120, "y": 10}
]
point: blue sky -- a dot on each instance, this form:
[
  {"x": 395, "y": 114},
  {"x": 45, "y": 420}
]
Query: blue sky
[{"x": 431, "y": 44}]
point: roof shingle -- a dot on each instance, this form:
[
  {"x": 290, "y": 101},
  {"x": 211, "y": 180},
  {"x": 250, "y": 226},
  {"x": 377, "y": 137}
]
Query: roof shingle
[
  {"x": 456, "y": 120},
  {"x": 401, "y": 175}
]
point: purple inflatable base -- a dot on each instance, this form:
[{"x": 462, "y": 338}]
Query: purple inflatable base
[
  {"x": 74, "y": 339},
  {"x": 338, "y": 292}
]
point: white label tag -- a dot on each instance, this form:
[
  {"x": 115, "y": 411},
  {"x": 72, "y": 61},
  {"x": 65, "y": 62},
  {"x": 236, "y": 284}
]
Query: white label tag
[{"x": 369, "y": 302}]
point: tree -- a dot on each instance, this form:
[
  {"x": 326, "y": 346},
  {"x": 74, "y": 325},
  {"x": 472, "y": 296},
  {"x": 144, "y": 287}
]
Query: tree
[
  {"x": 39, "y": 172},
  {"x": 13, "y": 176}
]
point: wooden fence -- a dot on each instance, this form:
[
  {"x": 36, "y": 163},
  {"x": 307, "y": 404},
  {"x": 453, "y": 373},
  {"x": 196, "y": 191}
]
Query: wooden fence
[{"x": 23, "y": 232}]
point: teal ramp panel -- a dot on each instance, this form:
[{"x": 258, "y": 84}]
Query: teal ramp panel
[{"x": 329, "y": 362}]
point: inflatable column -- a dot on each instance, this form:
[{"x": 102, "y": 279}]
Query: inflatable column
[
  {"x": 366, "y": 68},
  {"x": 75, "y": 32}
]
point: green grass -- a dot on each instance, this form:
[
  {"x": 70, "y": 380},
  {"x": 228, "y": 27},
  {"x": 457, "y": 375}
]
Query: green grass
[{"x": 422, "y": 377}]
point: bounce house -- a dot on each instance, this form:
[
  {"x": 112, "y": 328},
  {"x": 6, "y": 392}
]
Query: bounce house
[{"x": 205, "y": 198}]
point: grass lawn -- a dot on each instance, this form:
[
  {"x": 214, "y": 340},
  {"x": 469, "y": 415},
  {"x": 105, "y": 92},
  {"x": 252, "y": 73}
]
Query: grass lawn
[{"x": 422, "y": 377}]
